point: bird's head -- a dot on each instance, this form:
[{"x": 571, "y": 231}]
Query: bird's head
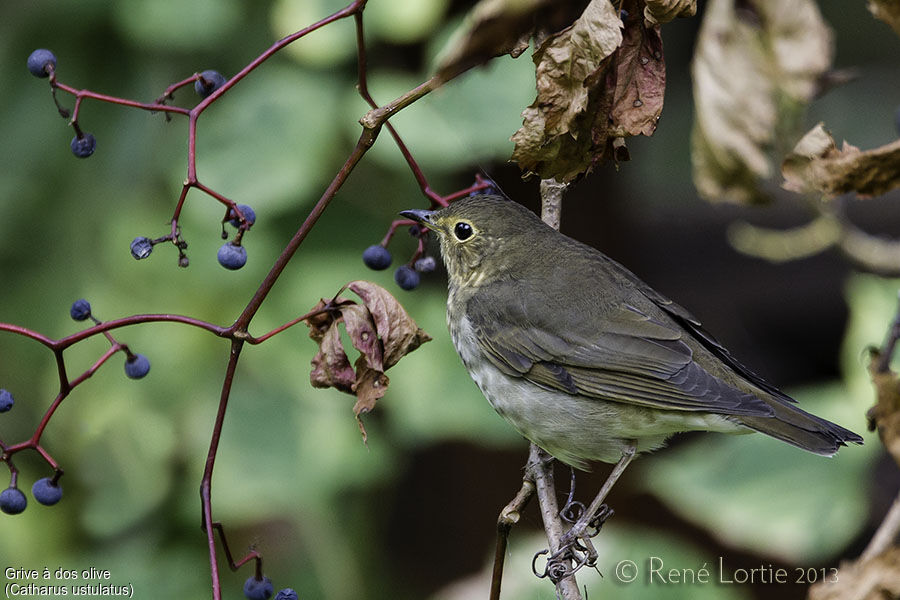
[{"x": 482, "y": 237}]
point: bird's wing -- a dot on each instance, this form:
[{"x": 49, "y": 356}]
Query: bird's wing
[
  {"x": 627, "y": 356},
  {"x": 706, "y": 339}
]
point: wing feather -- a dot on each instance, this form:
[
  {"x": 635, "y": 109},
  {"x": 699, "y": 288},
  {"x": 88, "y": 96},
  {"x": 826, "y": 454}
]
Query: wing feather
[{"x": 631, "y": 357}]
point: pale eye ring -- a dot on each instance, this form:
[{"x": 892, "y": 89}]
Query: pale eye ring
[{"x": 462, "y": 231}]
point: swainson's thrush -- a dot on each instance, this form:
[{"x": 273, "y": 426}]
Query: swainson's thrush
[{"x": 582, "y": 357}]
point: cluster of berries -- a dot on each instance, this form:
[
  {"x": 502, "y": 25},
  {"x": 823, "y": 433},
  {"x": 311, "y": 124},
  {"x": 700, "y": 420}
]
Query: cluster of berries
[
  {"x": 42, "y": 63},
  {"x": 136, "y": 365},
  {"x": 231, "y": 255},
  {"x": 262, "y": 589},
  {"x": 378, "y": 257},
  {"x": 46, "y": 491}
]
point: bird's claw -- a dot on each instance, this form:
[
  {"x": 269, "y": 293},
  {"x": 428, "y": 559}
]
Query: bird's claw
[{"x": 575, "y": 547}]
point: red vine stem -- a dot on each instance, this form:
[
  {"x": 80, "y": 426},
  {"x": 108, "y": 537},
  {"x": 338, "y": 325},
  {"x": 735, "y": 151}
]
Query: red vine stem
[
  {"x": 206, "y": 481},
  {"x": 238, "y": 333}
]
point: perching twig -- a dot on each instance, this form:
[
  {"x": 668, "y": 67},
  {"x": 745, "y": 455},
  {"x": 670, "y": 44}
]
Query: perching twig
[
  {"x": 886, "y": 534},
  {"x": 509, "y": 516},
  {"x": 540, "y": 464}
]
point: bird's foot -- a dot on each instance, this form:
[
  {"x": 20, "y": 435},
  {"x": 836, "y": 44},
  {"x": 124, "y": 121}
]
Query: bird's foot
[{"x": 575, "y": 547}]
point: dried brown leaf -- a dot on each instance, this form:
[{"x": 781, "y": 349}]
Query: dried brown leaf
[
  {"x": 886, "y": 413},
  {"x": 371, "y": 385},
  {"x": 658, "y": 12},
  {"x": 319, "y": 323},
  {"x": 380, "y": 329},
  {"x": 497, "y": 27},
  {"x": 565, "y": 61},
  {"x": 398, "y": 332},
  {"x": 816, "y": 165},
  {"x": 888, "y": 11},
  {"x": 755, "y": 68},
  {"x": 640, "y": 78},
  {"x": 361, "y": 330},
  {"x": 557, "y": 137},
  {"x": 330, "y": 366},
  {"x": 598, "y": 82},
  {"x": 867, "y": 578}
]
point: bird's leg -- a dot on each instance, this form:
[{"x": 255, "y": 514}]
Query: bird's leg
[{"x": 577, "y": 539}]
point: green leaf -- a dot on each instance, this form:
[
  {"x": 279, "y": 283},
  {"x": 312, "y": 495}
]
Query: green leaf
[
  {"x": 404, "y": 22},
  {"x": 272, "y": 124},
  {"x": 173, "y": 24}
]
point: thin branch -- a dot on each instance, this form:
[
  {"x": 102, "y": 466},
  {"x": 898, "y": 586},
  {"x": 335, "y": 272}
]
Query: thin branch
[
  {"x": 151, "y": 106},
  {"x": 206, "y": 481},
  {"x": 134, "y": 320},
  {"x": 377, "y": 116},
  {"x": 886, "y": 534},
  {"x": 540, "y": 467},
  {"x": 509, "y": 516},
  {"x": 551, "y": 201},
  {"x": 540, "y": 464},
  {"x": 890, "y": 344}
]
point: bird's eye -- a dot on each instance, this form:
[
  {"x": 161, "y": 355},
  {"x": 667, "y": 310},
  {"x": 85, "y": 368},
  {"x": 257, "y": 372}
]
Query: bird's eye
[{"x": 462, "y": 231}]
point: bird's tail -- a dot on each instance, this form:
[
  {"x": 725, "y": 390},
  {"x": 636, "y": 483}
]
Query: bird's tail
[{"x": 799, "y": 428}]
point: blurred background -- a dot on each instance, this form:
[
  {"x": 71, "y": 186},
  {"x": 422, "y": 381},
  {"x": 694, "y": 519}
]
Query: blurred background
[{"x": 413, "y": 515}]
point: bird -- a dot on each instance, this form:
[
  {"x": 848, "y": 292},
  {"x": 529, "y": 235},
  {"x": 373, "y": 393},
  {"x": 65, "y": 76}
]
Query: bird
[{"x": 582, "y": 357}]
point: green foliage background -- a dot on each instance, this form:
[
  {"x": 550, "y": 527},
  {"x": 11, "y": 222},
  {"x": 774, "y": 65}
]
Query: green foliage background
[{"x": 333, "y": 519}]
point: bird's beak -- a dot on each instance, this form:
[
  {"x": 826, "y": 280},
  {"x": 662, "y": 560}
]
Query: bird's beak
[{"x": 420, "y": 215}]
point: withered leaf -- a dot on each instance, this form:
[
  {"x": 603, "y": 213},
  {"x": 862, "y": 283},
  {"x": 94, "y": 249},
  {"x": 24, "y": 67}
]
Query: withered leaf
[
  {"x": 600, "y": 81},
  {"x": 361, "y": 329},
  {"x": 816, "y": 165},
  {"x": 320, "y": 322},
  {"x": 658, "y": 12},
  {"x": 869, "y": 577},
  {"x": 888, "y": 11},
  {"x": 398, "y": 332},
  {"x": 755, "y": 68},
  {"x": 497, "y": 27},
  {"x": 640, "y": 78},
  {"x": 380, "y": 329},
  {"x": 330, "y": 366},
  {"x": 556, "y": 138},
  {"x": 371, "y": 385}
]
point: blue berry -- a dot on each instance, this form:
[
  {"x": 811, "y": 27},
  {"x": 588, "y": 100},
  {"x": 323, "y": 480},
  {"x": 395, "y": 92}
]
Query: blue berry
[
  {"x": 6, "y": 400},
  {"x": 258, "y": 589},
  {"x": 141, "y": 247},
  {"x": 41, "y": 62},
  {"x": 426, "y": 264},
  {"x": 12, "y": 501},
  {"x": 208, "y": 82},
  {"x": 406, "y": 277},
  {"x": 491, "y": 190},
  {"x": 46, "y": 492},
  {"x": 249, "y": 214},
  {"x": 80, "y": 310},
  {"x": 84, "y": 145},
  {"x": 137, "y": 366},
  {"x": 232, "y": 257},
  {"x": 377, "y": 257},
  {"x": 286, "y": 594}
]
